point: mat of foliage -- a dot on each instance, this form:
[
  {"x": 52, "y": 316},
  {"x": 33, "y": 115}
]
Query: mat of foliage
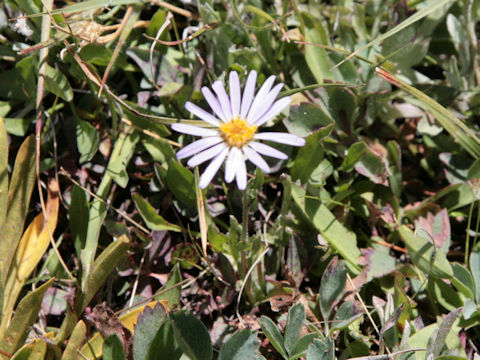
[{"x": 363, "y": 244}]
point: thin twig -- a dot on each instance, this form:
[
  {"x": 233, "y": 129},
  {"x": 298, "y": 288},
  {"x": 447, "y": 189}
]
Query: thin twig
[
  {"x": 119, "y": 212},
  {"x": 175, "y": 9},
  {"x": 389, "y": 356},
  {"x": 137, "y": 279},
  {"x": 160, "y": 31}
]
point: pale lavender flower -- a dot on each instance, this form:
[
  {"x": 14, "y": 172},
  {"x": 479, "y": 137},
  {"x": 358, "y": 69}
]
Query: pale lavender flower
[{"x": 235, "y": 137}]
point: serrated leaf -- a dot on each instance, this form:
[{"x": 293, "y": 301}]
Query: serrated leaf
[
  {"x": 243, "y": 345},
  {"x": 147, "y": 327}
]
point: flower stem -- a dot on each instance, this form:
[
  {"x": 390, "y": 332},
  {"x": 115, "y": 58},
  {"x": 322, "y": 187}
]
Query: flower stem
[{"x": 244, "y": 239}]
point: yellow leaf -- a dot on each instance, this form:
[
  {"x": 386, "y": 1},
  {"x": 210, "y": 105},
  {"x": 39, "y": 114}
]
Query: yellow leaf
[
  {"x": 128, "y": 320},
  {"x": 31, "y": 248}
]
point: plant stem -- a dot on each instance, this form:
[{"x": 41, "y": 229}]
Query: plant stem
[{"x": 243, "y": 253}]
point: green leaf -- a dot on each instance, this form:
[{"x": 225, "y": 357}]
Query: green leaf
[
  {"x": 3, "y": 173},
  {"x": 378, "y": 261},
  {"x": 367, "y": 162},
  {"x": 192, "y": 336},
  {"x": 18, "y": 199},
  {"x": 58, "y": 84},
  {"x": 121, "y": 154},
  {"x": 295, "y": 319},
  {"x": 354, "y": 154},
  {"x": 182, "y": 184},
  {"x": 149, "y": 322},
  {"x": 159, "y": 149},
  {"x": 89, "y": 5},
  {"x": 302, "y": 345},
  {"x": 321, "y": 350},
  {"x": 374, "y": 166},
  {"x": 120, "y": 157},
  {"x": 113, "y": 348},
  {"x": 75, "y": 342},
  {"x": 475, "y": 270},
  {"x": 25, "y": 316},
  {"x": 332, "y": 286},
  {"x": 338, "y": 237},
  {"x": 426, "y": 10},
  {"x": 424, "y": 254},
  {"x": 87, "y": 140},
  {"x": 439, "y": 337},
  {"x": 316, "y": 57},
  {"x": 306, "y": 119},
  {"x": 78, "y": 217},
  {"x": 309, "y": 156},
  {"x": 463, "y": 280},
  {"x": 102, "y": 267},
  {"x": 273, "y": 334},
  {"x": 171, "y": 291},
  {"x": 243, "y": 345},
  {"x": 153, "y": 220},
  {"x": 17, "y": 126},
  {"x": 345, "y": 315},
  {"x": 444, "y": 294},
  {"x": 454, "y": 126}
]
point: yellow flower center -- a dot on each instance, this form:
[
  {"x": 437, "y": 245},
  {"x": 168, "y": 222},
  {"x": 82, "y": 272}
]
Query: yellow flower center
[{"x": 237, "y": 132}]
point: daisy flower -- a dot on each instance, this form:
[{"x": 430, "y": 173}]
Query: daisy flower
[{"x": 235, "y": 139}]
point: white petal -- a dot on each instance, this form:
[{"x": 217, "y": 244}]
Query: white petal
[
  {"x": 282, "y": 138},
  {"x": 202, "y": 114},
  {"x": 241, "y": 172},
  {"x": 256, "y": 159},
  {"x": 234, "y": 93},
  {"x": 276, "y": 109},
  {"x": 206, "y": 155},
  {"x": 267, "y": 150},
  {"x": 230, "y": 168},
  {"x": 223, "y": 98},
  {"x": 267, "y": 103},
  {"x": 257, "y": 105},
  {"x": 212, "y": 169},
  {"x": 213, "y": 102},
  {"x": 193, "y": 130},
  {"x": 248, "y": 93},
  {"x": 198, "y": 146}
]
